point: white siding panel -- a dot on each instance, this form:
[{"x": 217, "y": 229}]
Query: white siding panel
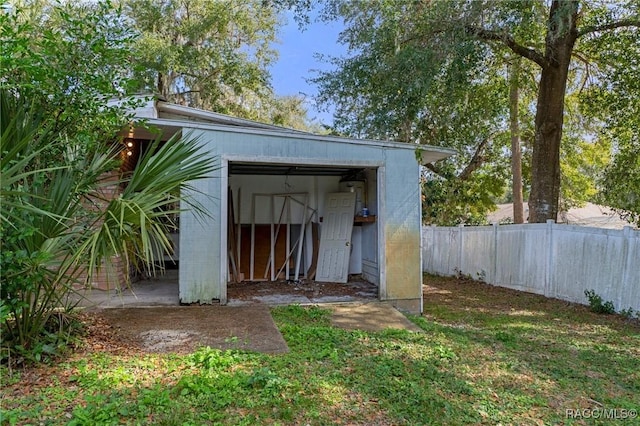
[
  {"x": 400, "y": 223},
  {"x": 477, "y": 247},
  {"x": 200, "y": 245},
  {"x": 443, "y": 250},
  {"x": 603, "y": 270},
  {"x": 631, "y": 281}
]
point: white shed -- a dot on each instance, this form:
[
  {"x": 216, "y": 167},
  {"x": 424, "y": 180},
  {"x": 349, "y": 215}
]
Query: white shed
[{"x": 290, "y": 204}]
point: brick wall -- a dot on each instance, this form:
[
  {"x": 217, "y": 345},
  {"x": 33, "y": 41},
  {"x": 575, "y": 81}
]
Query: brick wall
[{"x": 111, "y": 274}]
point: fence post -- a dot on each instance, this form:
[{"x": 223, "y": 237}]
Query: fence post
[
  {"x": 461, "y": 249},
  {"x": 424, "y": 248},
  {"x": 625, "y": 285},
  {"x": 432, "y": 250},
  {"x": 549, "y": 260},
  {"x": 494, "y": 266}
]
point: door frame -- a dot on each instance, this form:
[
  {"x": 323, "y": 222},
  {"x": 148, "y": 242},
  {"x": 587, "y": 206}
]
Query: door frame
[{"x": 225, "y": 159}]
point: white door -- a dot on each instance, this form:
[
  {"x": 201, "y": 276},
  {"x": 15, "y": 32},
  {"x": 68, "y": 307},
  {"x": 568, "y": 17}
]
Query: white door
[{"x": 335, "y": 237}]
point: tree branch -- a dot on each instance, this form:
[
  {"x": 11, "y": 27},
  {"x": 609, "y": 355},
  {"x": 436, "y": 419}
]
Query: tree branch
[
  {"x": 476, "y": 160},
  {"x": 507, "y": 40},
  {"x": 186, "y": 92},
  {"x": 587, "y": 68},
  {"x": 435, "y": 169},
  {"x": 610, "y": 26}
]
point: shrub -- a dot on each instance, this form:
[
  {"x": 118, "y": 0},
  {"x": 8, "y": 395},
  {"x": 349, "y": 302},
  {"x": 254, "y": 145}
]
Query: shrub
[
  {"x": 628, "y": 313},
  {"x": 597, "y": 305}
]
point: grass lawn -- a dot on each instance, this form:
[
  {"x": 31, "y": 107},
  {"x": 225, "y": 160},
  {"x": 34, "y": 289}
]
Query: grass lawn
[{"x": 486, "y": 356}]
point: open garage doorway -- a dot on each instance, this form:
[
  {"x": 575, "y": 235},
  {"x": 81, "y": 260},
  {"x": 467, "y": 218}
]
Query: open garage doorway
[{"x": 276, "y": 215}]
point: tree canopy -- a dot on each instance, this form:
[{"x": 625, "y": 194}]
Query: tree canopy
[
  {"x": 433, "y": 72},
  {"x": 404, "y": 85},
  {"x": 206, "y": 54},
  {"x": 614, "y": 102},
  {"x": 436, "y": 72},
  {"x": 68, "y": 58}
]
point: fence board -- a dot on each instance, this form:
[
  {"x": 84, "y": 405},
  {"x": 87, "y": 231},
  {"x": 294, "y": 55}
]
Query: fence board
[{"x": 560, "y": 261}]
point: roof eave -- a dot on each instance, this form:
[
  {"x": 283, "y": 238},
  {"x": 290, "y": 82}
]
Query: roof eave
[{"x": 428, "y": 153}]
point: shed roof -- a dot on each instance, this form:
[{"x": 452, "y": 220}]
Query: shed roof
[{"x": 172, "y": 118}]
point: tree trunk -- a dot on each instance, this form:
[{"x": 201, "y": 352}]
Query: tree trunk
[
  {"x": 545, "y": 166},
  {"x": 516, "y": 153},
  {"x": 160, "y": 84}
]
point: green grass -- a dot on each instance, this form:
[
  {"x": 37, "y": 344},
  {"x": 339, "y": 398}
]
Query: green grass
[{"x": 487, "y": 356}]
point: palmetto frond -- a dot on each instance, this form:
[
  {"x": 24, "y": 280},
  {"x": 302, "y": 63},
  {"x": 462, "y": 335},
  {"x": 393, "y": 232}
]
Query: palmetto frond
[{"x": 54, "y": 221}]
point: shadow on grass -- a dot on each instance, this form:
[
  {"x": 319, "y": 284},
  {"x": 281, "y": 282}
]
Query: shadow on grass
[{"x": 568, "y": 356}]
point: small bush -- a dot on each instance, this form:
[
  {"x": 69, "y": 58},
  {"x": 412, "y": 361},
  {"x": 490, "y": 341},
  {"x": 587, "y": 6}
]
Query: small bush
[
  {"x": 628, "y": 313},
  {"x": 597, "y": 305}
]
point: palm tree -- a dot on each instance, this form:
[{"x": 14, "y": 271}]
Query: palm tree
[{"x": 53, "y": 222}]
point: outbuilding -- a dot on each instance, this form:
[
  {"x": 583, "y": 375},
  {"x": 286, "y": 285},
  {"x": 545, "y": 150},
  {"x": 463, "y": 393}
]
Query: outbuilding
[{"x": 286, "y": 204}]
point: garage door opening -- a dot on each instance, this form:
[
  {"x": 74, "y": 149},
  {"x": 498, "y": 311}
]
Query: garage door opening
[{"x": 276, "y": 217}]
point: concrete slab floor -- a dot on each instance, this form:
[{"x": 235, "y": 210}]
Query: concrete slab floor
[
  {"x": 163, "y": 290},
  {"x": 301, "y": 292},
  {"x": 373, "y": 316},
  {"x": 357, "y": 308},
  {"x": 354, "y": 307},
  {"x": 183, "y": 329}
]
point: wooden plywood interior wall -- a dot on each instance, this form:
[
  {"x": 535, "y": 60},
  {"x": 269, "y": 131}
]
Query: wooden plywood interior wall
[
  {"x": 255, "y": 241},
  {"x": 262, "y": 251}
]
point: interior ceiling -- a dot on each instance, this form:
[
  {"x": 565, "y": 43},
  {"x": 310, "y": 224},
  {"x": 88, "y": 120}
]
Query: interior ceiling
[{"x": 291, "y": 170}]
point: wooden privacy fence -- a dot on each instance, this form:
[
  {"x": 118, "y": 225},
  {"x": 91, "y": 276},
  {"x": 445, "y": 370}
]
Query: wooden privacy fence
[{"x": 556, "y": 260}]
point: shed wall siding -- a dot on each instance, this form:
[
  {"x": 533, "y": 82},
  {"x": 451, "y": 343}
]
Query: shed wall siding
[
  {"x": 397, "y": 208},
  {"x": 200, "y": 257},
  {"x": 401, "y": 224}
]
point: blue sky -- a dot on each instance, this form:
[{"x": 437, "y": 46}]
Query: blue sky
[{"x": 296, "y": 62}]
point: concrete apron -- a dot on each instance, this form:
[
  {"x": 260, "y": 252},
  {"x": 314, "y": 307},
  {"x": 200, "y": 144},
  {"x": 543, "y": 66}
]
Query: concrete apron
[
  {"x": 157, "y": 291},
  {"x": 371, "y": 315}
]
